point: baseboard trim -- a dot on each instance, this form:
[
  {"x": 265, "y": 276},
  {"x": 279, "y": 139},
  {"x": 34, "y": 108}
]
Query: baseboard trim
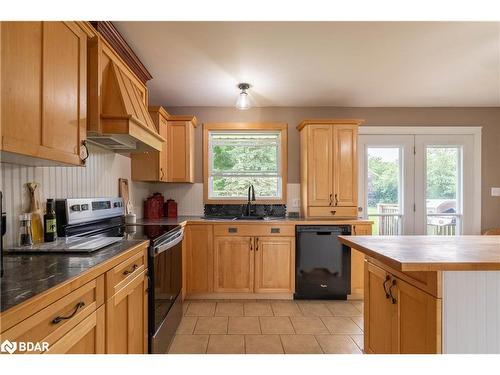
[{"x": 242, "y": 296}]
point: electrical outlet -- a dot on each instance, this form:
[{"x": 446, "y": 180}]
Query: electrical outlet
[
  {"x": 296, "y": 203},
  {"x": 495, "y": 191}
]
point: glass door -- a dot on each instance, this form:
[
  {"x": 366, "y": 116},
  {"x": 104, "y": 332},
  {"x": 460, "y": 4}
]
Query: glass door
[
  {"x": 425, "y": 184},
  {"x": 386, "y": 182},
  {"x": 444, "y": 190}
]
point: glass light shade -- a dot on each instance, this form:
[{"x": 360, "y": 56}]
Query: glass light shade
[{"x": 243, "y": 101}]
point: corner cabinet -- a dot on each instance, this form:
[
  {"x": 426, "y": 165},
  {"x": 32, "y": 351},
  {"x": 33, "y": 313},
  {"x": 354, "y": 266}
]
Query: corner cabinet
[
  {"x": 44, "y": 92},
  {"x": 175, "y": 162},
  {"x": 328, "y": 167},
  {"x": 399, "y": 316}
]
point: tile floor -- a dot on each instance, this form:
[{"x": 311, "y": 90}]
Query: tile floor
[{"x": 270, "y": 327}]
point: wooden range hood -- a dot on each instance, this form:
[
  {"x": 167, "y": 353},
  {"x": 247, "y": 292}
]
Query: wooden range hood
[{"x": 118, "y": 114}]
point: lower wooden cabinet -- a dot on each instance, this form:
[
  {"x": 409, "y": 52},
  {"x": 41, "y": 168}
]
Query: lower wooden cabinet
[
  {"x": 127, "y": 318},
  {"x": 234, "y": 264},
  {"x": 274, "y": 264},
  {"x": 88, "y": 337},
  {"x": 244, "y": 264},
  {"x": 399, "y": 317},
  {"x": 357, "y": 259},
  {"x": 85, "y": 316},
  {"x": 198, "y": 259}
]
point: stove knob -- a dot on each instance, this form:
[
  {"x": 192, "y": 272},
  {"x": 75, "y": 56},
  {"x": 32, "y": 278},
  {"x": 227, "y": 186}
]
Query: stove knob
[
  {"x": 85, "y": 207},
  {"x": 75, "y": 207}
]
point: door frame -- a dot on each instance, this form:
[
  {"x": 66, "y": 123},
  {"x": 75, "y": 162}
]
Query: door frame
[{"x": 474, "y": 131}]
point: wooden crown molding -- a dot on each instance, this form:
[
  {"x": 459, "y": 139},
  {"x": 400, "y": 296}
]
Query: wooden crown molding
[
  {"x": 109, "y": 32},
  {"x": 330, "y": 122}
]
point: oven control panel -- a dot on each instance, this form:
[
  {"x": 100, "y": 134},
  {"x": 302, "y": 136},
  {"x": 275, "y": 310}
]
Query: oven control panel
[{"x": 81, "y": 210}]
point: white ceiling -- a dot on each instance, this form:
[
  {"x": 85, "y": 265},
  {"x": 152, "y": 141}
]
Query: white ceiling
[{"x": 367, "y": 64}]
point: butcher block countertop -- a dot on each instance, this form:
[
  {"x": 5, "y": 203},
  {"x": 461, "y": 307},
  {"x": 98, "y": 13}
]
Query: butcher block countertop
[{"x": 430, "y": 253}]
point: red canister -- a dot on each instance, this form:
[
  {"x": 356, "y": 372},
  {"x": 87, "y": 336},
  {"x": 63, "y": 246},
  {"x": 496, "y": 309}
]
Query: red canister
[{"x": 171, "y": 208}]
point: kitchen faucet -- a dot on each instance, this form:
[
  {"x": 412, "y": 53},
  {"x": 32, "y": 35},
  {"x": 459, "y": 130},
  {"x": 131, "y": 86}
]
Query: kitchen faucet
[{"x": 251, "y": 198}]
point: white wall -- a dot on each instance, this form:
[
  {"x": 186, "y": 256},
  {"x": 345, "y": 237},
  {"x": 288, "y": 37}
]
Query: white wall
[{"x": 98, "y": 179}]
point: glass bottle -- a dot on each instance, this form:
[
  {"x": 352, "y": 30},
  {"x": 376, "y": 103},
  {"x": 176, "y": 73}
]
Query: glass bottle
[
  {"x": 49, "y": 222},
  {"x": 25, "y": 235}
]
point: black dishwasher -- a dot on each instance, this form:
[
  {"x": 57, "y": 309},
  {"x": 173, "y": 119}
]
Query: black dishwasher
[{"x": 322, "y": 263}]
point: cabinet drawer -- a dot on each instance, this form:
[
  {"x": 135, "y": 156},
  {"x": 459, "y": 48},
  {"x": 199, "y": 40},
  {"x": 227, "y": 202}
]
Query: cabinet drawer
[
  {"x": 333, "y": 212},
  {"x": 57, "y": 319},
  {"x": 254, "y": 230},
  {"x": 125, "y": 272}
]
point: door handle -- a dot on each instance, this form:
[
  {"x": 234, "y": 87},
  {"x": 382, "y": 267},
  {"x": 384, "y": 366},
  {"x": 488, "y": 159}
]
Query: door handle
[
  {"x": 331, "y": 199},
  {"x": 387, "y": 278},
  {"x": 393, "y": 299},
  {"x": 251, "y": 245},
  {"x": 256, "y": 243},
  {"x": 336, "y": 200}
]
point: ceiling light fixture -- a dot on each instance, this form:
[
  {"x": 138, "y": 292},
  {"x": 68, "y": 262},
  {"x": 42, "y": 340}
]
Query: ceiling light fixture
[{"x": 243, "y": 101}]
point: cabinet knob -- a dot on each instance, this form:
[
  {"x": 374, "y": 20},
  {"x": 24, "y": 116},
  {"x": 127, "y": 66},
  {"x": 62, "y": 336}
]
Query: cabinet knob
[{"x": 333, "y": 212}]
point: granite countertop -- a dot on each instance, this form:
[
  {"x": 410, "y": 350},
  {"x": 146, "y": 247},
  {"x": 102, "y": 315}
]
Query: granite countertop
[
  {"x": 430, "y": 253},
  {"x": 26, "y": 275},
  {"x": 280, "y": 220}
]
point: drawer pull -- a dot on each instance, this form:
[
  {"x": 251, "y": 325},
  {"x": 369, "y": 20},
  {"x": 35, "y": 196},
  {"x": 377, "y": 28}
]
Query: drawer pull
[
  {"x": 333, "y": 212},
  {"x": 58, "y": 319},
  {"x": 232, "y": 230},
  {"x": 134, "y": 267},
  {"x": 275, "y": 230}
]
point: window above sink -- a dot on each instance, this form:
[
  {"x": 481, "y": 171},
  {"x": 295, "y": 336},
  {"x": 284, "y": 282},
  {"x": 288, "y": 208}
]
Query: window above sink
[{"x": 238, "y": 155}]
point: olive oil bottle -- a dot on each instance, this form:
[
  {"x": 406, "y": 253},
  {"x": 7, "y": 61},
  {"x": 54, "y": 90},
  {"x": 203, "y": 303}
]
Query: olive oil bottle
[{"x": 49, "y": 221}]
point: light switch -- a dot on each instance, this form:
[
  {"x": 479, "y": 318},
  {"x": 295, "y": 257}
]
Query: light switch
[{"x": 495, "y": 191}]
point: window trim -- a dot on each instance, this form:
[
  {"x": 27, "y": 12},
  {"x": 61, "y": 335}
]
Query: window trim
[{"x": 247, "y": 127}]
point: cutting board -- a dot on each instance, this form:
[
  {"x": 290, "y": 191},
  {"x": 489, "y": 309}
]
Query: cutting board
[{"x": 124, "y": 193}]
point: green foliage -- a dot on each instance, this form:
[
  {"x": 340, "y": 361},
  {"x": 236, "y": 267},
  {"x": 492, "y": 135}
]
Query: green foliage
[
  {"x": 246, "y": 160},
  {"x": 441, "y": 173},
  {"x": 382, "y": 181}
]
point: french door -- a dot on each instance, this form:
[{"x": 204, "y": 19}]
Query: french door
[{"x": 419, "y": 183}]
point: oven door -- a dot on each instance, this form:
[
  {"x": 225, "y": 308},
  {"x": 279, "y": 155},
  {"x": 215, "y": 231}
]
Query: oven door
[{"x": 165, "y": 304}]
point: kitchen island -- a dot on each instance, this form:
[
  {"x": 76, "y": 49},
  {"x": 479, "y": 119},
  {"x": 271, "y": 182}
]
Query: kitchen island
[{"x": 430, "y": 294}]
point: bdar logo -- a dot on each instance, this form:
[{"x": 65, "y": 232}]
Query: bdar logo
[{"x": 8, "y": 347}]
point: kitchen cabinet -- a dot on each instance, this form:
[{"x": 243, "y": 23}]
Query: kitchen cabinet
[
  {"x": 44, "y": 92},
  {"x": 127, "y": 318},
  {"x": 254, "y": 258},
  {"x": 399, "y": 317},
  {"x": 180, "y": 148},
  {"x": 358, "y": 260},
  {"x": 175, "y": 162},
  {"x": 152, "y": 165},
  {"x": 328, "y": 164},
  {"x": 199, "y": 259},
  {"x": 274, "y": 264},
  {"x": 86, "y": 338},
  {"x": 234, "y": 264},
  {"x": 104, "y": 310}
]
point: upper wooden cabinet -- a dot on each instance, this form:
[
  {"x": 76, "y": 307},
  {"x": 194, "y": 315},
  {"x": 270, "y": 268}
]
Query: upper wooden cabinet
[
  {"x": 328, "y": 168},
  {"x": 175, "y": 163},
  {"x": 44, "y": 92}
]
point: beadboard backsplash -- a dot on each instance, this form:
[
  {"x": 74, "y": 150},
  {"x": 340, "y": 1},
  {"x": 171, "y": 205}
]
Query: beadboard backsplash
[{"x": 98, "y": 179}]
